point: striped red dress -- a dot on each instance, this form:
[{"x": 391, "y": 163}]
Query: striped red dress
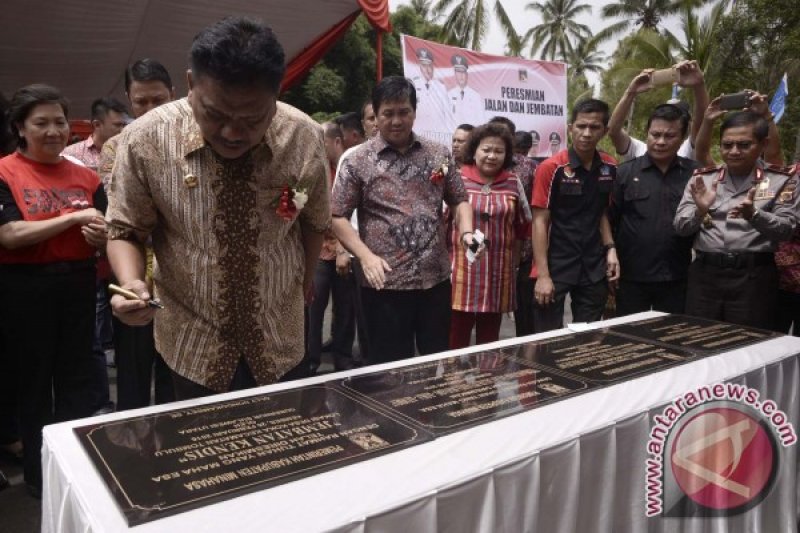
[{"x": 502, "y": 213}]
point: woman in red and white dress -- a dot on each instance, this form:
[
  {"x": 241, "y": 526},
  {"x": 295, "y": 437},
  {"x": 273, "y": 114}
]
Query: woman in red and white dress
[{"x": 485, "y": 289}]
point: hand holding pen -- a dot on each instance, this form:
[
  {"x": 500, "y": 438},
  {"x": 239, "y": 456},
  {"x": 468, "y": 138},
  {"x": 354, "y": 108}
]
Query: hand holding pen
[
  {"x": 132, "y": 304},
  {"x": 130, "y": 295}
]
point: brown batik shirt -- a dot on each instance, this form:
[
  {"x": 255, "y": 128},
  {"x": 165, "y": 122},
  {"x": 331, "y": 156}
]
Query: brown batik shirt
[
  {"x": 229, "y": 270},
  {"x": 400, "y": 207}
]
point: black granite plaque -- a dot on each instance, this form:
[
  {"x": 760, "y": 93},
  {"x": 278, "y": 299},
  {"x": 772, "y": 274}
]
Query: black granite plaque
[
  {"x": 599, "y": 356},
  {"x": 702, "y": 336},
  {"x": 171, "y": 462},
  {"x": 457, "y": 392}
]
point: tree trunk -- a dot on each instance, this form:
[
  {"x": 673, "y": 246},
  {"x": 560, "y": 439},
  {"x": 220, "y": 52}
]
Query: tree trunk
[{"x": 796, "y": 157}]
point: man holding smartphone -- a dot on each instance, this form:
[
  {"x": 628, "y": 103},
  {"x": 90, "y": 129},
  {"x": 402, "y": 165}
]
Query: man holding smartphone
[
  {"x": 745, "y": 100},
  {"x": 737, "y": 212},
  {"x": 686, "y": 74}
]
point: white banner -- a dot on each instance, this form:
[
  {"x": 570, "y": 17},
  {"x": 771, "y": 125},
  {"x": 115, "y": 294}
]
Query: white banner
[{"x": 457, "y": 86}]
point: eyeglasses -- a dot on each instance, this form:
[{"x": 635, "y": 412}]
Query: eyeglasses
[{"x": 741, "y": 145}]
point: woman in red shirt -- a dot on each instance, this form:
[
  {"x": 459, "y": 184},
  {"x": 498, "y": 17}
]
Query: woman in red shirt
[
  {"x": 51, "y": 224},
  {"x": 485, "y": 289}
]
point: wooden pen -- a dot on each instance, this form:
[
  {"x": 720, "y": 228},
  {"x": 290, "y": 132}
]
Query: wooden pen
[{"x": 130, "y": 295}]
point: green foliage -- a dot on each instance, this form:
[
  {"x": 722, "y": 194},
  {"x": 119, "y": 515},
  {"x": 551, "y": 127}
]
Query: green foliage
[
  {"x": 465, "y": 21},
  {"x": 324, "y": 87},
  {"x": 559, "y": 30},
  {"x": 646, "y": 14},
  {"x": 343, "y": 80},
  {"x": 322, "y": 116},
  {"x": 641, "y": 50},
  {"x": 759, "y": 41}
]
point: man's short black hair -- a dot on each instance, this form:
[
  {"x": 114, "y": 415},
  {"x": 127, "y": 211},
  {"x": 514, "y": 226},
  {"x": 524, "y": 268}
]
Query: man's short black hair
[
  {"x": 394, "y": 89},
  {"x": 146, "y": 69},
  {"x": 670, "y": 113},
  {"x": 25, "y": 99},
  {"x": 746, "y": 118},
  {"x": 492, "y": 129},
  {"x": 239, "y": 51},
  {"x": 591, "y": 105},
  {"x": 465, "y": 127},
  {"x": 523, "y": 140},
  {"x": 350, "y": 121},
  {"x": 102, "y": 106},
  {"x": 332, "y": 130},
  {"x": 507, "y": 122},
  {"x": 364, "y": 106}
]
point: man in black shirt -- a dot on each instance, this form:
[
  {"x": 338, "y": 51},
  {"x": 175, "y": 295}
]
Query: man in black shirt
[
  {"x": 653, "y": 258},
  {"x": 573, "y": 249}
]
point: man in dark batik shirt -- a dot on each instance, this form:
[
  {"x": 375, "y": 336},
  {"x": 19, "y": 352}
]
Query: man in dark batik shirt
[{"x": 398, "y": 182}]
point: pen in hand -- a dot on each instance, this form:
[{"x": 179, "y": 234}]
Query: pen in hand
[{"x": 130, "y": 295}]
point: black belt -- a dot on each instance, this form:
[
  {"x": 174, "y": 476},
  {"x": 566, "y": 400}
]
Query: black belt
[
  {"x": 57, "y": 267},
  {"x": 736, "y": 260}
]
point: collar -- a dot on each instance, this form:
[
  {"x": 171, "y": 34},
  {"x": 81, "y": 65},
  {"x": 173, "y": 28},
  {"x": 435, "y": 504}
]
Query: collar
[
  {"x": 576, "y": 163},
  {"x": 89, "y": 142},
  {"x": 381, "y": 144},
  {"x": 757, "y": 173},
  {"x": 471, "y": 173},
  {"x": 676, "y": 161}
]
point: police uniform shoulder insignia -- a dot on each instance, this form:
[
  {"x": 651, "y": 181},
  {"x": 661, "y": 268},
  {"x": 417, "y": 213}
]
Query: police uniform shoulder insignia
[
  {"x": 780, "y": 169},
  {"x": 707, "y": 170},
  {"x": 786, "y": 194}
]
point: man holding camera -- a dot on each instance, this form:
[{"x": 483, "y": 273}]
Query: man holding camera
[
  {"x": 737, "y": 212},
  {"x": 686, "y": 74},
  {"x": 653, "y": 258}
]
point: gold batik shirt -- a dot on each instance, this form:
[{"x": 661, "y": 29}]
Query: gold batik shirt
[{"x": 229, "y": 270}]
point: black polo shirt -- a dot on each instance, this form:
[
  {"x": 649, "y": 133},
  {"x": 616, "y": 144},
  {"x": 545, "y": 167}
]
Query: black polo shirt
[
  {"x": 643, "y": 207},
  {"x": 576, "y": 199}
]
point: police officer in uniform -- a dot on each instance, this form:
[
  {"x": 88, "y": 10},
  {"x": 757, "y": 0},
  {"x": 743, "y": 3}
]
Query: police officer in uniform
[
  {"x": 465, "y": 103},
  {"x": 738, "y": 212},
  {"x": 433, "y": 111},
  {"x": 555, "y": 143}
]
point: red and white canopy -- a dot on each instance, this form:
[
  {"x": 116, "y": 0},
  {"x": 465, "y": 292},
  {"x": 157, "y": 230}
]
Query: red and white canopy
[{"x": 84, "y": 46}]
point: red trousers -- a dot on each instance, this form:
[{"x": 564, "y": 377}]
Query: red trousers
[{"x": 487, "y": 328}]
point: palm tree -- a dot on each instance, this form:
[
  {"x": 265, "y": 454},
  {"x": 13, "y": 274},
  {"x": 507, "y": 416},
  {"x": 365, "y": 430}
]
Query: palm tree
[
  {"x": 699, "y": 39},
  {"x": 585, "y": 57},
  {"x": 422, "y": 8},
  {"x": 554, "y": 36},
  {"x": 515, "y": 43},
  {"x": 467, "y": 21},
  {"x": 645, "y": 13}
]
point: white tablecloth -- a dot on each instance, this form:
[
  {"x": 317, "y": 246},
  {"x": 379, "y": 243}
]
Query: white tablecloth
[{"x": 576, "y": 465}]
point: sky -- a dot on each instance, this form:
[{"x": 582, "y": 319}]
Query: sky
[{"x": 524, "y": 19}]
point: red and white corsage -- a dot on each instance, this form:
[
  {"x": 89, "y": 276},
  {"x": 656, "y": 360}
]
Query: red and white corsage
[
  {"x": 437, "y": 176},
  {"x": 290, "y": 202}
]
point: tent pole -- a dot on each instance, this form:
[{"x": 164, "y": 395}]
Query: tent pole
[{"x": 379, "y": 55}]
